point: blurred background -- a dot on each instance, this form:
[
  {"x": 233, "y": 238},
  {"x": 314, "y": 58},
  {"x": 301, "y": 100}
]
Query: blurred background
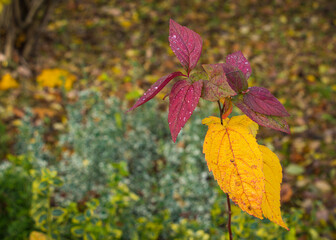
[{"x": 73, "y": 165}]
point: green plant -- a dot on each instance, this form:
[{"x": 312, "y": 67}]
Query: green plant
[
  {"x": 47, "y": 218},
  {"x": 4, "y": 139},
  {"x": 15, "y": 198}
]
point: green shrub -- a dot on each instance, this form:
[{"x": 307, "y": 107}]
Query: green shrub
[
  {"x": 15, "y": 198},
  {"x": 122, "y": 178}
]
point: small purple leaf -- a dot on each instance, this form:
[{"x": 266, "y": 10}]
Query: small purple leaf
[
  {"x": 183, "y": 100},
  {"x": 235, "y": 77},
  {"x": 275, "y": 122},
  {"x": 186, "y": 44},
  {"x": 238, "y": 60},
  {"x": 260, "y": 100},
  {"x": 155, "y": 89},
  {"x": 217, "y": 87}
]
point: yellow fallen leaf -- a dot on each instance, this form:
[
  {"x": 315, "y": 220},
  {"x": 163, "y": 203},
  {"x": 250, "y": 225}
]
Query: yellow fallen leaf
[
  {"x": 233, "y": 155},
  {"x": 311, "y": 78},
  {"x": 56, "y": 78},
  {"x": 8, "y": 82},
  {"x": 273, "y": 178}
]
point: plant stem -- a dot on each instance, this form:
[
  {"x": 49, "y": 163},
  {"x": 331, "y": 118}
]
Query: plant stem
[
  {"x": 229, "y": 221},
  {"x": 221, "y": 110}
]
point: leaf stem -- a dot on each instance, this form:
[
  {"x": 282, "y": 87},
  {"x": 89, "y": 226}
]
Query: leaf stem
[{"x": 221, "y": 111}]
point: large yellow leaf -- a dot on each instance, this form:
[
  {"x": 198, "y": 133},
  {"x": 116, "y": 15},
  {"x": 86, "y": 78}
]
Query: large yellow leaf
[
  {"x": 273, "y": 178},
  {"x": 245, "y": 121},
  {"x": 233, "y": 155},
  {"x": 241, "y": 120}
]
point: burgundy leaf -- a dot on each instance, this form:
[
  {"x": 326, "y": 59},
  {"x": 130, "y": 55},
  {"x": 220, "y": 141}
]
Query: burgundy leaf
[
  {"x": 186, "y": 44},
  {"x": 235, "y": 77},
  {"x": 217, "y": 87},
  {"x": 260, "y": 100},
  {"x": 183, "y": 100},
  {"x": 238, "y": 60},
  {"x": 155, "y": 89},
  {"x": 275, "y": 122}
]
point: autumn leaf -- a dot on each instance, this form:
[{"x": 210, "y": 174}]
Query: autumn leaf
[
  {"x": 244, "y": 121},
  {"x": 155, "y": 89},
  {"x": 183, "y": 100},
  {"x": 217, "y": 87},
  {"x": 238, "y": 60},
  {"x": 274, "y": 122},
  {"x": 235, "y": 78},
  {"x": 233, "y": 155},
  {"x": 8, "y": 82},
  {"x": 273, "y": 178},
  {"x": 186, "y": 44},
  {"x": 260, "y": 100},
  {"x": 56, "y": 78}
]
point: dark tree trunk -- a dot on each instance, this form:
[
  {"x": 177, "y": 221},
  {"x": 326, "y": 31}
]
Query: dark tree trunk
[{"x": 21, "y": 24}]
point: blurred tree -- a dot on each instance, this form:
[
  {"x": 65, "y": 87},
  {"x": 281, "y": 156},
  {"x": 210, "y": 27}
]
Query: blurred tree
[{"x": 21, "y": 24}]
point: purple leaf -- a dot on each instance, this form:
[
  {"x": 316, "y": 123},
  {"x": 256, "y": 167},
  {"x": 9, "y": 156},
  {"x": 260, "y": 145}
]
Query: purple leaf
[
  {"x": 155, "y": 89},
  {"x": 217, "y": 87},
  {"x": 186, "y": 44},
  {"x": 235, "y": 77},
  {"x": 260, "y": 100},
  {"x": 238, "y": 60},
  {"x": 183, "y": 100},
  {"x": 275, "y": 122}
]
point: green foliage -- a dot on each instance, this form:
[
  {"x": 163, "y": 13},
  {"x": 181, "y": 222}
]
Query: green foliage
[
  {"x": 4, "y": 139},
  {"x": 246, "y": 228},
  {"x": 15, "y": 198},
  {"x": 47, "y": 218},
  {"x": 121, "y": 180},
  {"x": 188, "y": 230}
]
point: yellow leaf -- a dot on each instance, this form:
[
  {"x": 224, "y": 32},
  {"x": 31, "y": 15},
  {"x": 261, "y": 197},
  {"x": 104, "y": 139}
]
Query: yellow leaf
[
  {"x": 8, "y": 82},
  {"x": 245, "y": 121},
  {"x": 56, "y": 78},
  {"x": 311, "y": 78},
  {"x": 273, "y": 178},
  {"x": 233, "y": 155}
]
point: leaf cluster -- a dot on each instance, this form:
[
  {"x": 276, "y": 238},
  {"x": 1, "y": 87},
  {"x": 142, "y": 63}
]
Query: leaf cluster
[{"x": 218, "y": 82}]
